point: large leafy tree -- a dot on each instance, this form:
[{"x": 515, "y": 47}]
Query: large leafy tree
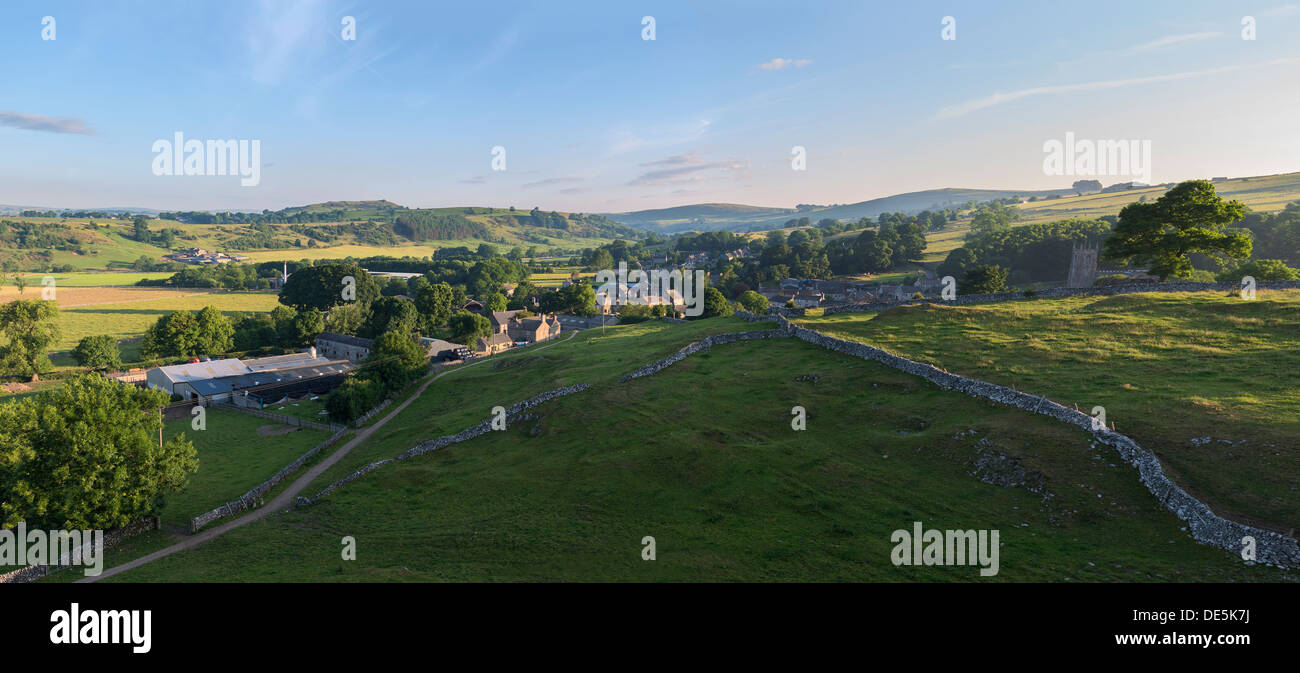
[
  {"x": 306, "y": 326},
  {"x": 433, "y": 301},
  {"x": 716, "y": 304},
  {"x": 216, "y": 334},
  {"x": 390, "y": 314},
  {"x": 176, "y": 333},
  {"x": 322, "y": 287},
  {"x": 753, "y": 302},
  {"x": 1261, "y": 270},
  {"x": 466, "y": 327},
  {"x": 87, "y": 456},
  {"x": 98, "y": 352},
  {"x": 1189, "y": 218},
  {"x": 346, "y": 318},
  {"x": 395, "y": 360},
  {"x": 29, "y": 327},
  {"x": 984, "y": 279}
]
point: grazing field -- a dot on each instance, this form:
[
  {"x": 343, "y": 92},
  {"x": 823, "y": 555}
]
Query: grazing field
[
  {"x": 67, "y": 297},
  {"x": 130, "y": 317},
  {"x": 1202, "y": 379},
  {"x": 306, "y": 409},
  {"x": 464, "y": 398},
  {"x": 237, "y": 451},
  {"x": 92, "y": 279},
  {"x": 702, "y": 457},
  {"x": 1269, "y": 193}
]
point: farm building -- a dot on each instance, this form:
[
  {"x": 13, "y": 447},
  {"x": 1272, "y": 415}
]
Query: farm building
[
  {"x": 220, "y": 380},
  {"x": 343, "y": 346}
]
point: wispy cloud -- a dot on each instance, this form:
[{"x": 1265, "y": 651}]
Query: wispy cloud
[
  {"x": 1169, "y": 40},
  {"x": 552, "y": 181},
  {"x": 1283, "y": 10},
  {"x": 278, "y": 32},
  {"x": 682, "y": 169},
  {"x": 996, "y": 99},
  {"x": 30, "y": 122},
  {"x": 476, "y": 180},
  {"x": 781, "y": 63}
]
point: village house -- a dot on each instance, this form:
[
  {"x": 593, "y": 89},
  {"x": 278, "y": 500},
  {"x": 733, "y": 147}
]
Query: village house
[
  {"x": 509, "y": 328},
  {"x": 808, "y": 299}
]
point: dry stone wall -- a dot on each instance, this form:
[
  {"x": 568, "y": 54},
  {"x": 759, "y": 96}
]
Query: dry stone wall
[
  {"x": 1204, "y": 525},
  {"x": 703, "y": 344},
  {"x": 1058, "y": 292},
  {"x": 111, "y": 539},
  {"x": 514, "y": 413},
  {"x": 250, "y": 499}
]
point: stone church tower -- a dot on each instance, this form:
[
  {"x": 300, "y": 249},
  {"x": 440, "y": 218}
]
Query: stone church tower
[{"x": 1083, "y": 265}]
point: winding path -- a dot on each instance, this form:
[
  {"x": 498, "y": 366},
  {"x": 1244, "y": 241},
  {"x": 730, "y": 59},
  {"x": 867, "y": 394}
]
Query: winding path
[{"x": 286, "y": 498}]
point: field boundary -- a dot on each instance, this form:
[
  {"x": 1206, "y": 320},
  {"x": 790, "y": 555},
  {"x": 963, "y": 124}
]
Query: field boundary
[
  {"x": 1061, "y": 292},
  {"x": 111, "y": 539},
  {"x": 283, "y": 418},
  {"x": 1204, "y": 526},
  {"x": 513, "y": 413},
  {"x": 254, "y": 496}
]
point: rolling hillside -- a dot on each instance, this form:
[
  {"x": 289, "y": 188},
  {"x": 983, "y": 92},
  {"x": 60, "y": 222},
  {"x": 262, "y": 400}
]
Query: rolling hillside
[
  {"x": 319, "y": 231},
  {"x": 702, "y": 457},
  {"x": 1270, "y": 192}
]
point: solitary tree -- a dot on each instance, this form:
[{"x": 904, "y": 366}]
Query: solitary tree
[
  {"x": 1189, "y": 218},
  {"x": 29, "y": 326}
]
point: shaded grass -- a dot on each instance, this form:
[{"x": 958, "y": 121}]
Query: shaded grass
[
  {"x": 464, "y": 398},
  {"x": 233, "y": 458},
  {"x": 1168, "y": 368},
  {"x": 702, "y": 457}
]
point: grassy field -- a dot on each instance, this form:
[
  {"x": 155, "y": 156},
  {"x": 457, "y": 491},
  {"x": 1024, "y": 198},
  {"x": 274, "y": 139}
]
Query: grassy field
[
  {"x": 125, "y": 319},
  {"x": 233, "y": 457},
  {"x": 309, "y": 410},
  {"x": 93, "y": 279},
  {"x": 1269, "y": 193},
  {"x": 1170, "y": 370},
  {"x": 702, "y": 457},
  {"x": 464, "y": 398}
]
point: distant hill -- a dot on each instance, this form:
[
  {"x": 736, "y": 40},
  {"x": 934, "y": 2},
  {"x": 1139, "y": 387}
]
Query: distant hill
[
  {"x": 701, "y": 216},
  {"x": 738, "y": 217}
]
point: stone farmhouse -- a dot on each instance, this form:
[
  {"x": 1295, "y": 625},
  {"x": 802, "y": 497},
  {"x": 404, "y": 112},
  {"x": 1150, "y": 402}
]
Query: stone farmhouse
[
  {"x": 343, "y": 346},
  {"x": 508, "y": 329}
]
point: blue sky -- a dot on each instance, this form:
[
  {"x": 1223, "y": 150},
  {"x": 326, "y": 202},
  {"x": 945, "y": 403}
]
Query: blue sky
[{"x": 594, "y": 118}]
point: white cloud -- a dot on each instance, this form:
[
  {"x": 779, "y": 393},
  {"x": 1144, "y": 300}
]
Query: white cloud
[{"x": 781, "y": 63}]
